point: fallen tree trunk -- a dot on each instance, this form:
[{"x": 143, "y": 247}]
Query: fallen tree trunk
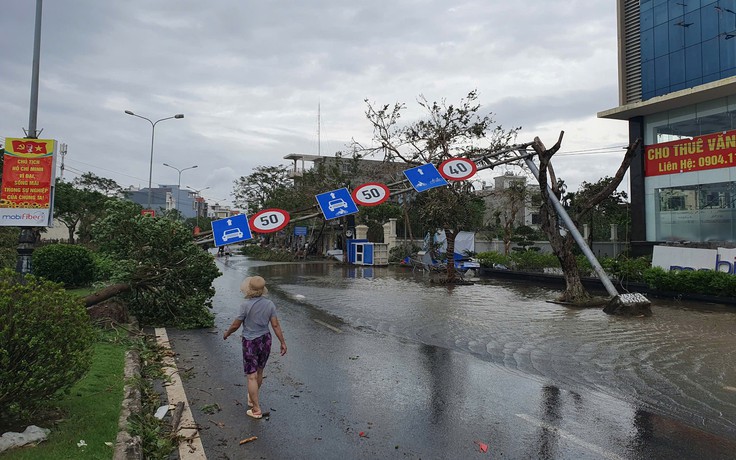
[{"x": 106, "y": 293}]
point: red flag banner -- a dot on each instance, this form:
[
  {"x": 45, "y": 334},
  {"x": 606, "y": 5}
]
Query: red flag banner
[{"x": 32, "y": 147}]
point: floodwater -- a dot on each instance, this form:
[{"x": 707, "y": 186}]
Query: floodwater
[{"x": 679, "y": 363}]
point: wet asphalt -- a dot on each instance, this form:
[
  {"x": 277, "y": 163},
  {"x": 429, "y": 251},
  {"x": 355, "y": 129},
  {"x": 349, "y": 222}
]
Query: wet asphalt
[{"x": 353, "y": 392}]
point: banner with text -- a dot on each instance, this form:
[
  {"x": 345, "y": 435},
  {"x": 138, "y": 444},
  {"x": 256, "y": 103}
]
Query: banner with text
[
  {"x": 712, "y": 151},
  {"x": 28, "y": 177},
  {"x": 673, "y": 258}
]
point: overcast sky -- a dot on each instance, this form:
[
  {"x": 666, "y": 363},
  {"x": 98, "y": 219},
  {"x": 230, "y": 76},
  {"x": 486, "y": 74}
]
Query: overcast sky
[{"x": 249, "y": 76}]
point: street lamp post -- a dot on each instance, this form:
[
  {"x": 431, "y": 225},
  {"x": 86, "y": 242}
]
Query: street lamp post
[
  {"x": 178, "y": 186},
  {"x": 196, "y": 194},
  {"x": 153, "y": 131}
]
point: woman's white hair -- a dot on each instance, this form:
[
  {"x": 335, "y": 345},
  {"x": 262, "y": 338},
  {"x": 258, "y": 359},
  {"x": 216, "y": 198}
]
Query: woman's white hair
[{"x": 253, "y": 286}]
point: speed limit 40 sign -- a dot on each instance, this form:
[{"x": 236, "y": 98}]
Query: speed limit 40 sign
[
  {"x": 370, "y": 194},
  {"x": 269, "y": 220},
  {"x": 457, "y": 168}
]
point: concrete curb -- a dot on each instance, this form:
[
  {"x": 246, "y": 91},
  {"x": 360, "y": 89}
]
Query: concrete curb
[
  {"x": 190, "y": 446},
  {"x": 128, "y": 447}
]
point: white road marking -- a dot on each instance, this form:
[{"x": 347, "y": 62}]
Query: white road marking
[
  {"x": 570, "y": 437},
  {"x": 190, "y": 448},
  {"x": 332, "y": 328}
]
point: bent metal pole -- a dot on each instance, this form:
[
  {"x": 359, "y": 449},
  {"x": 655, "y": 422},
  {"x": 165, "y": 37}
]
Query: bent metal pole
[{"x": 573, "y": 230}]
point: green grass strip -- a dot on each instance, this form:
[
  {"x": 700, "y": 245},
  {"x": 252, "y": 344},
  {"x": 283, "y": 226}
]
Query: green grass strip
[{"x": 91, "y": 411}]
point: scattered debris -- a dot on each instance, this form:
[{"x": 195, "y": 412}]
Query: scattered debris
[
  {"x": 483, "y": 447},
  {"x": 362, "y": 434},
  {"x": 218, "y": 424},
  {"x": 82, "y": 443},
  {"x": 210, "y": 409},
  {"x": 247, "y": 440},
  {"x": 354, "y": 357},
  {"x": 161, "y": 412},
  {"x": 176, "y": 416},
  {"x": 32, "y": 434}
]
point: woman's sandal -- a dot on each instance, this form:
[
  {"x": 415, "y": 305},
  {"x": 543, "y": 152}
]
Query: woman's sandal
[{"x": 250, "y": 413}]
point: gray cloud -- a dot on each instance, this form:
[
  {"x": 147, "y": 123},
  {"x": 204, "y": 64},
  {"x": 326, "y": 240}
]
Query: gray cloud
[{"x": 249, "y": 75}]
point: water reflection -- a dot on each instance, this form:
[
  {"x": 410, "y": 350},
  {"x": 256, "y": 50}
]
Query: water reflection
[
  {"x": 551, "y": 415},
  {"x": 438, "y": 365},
  {"x": 678, "y": 363}
]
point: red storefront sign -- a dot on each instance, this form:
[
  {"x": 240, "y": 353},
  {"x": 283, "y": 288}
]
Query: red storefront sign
[{"x": 700, "y": 153}]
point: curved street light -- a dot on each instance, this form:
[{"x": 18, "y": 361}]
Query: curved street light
[
  {"x": 176, "y": 205},
  {"x": 153, "y": 131},
  {"x": 196, "y": 194}
]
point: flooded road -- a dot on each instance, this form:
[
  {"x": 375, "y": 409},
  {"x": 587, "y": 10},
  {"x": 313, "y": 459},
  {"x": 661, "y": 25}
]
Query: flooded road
[
  {"x": 681, "y": 362},
  {"x": 381, "y": 364}
]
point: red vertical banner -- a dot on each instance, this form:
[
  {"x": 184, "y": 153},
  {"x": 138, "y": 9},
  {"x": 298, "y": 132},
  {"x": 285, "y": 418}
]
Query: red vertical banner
[{"x": 28, "y": 178}]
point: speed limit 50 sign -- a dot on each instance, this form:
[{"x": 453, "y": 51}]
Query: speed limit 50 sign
[
  {"x": 269, "y": 220},
  {"x": 370, "y": 194}
]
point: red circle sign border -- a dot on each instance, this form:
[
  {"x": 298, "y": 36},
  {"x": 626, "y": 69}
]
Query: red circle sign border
[
  {"x": 254, "y": 228},
  {"x": 473, "y": 169},
  {"x": 358, "y": 201}
]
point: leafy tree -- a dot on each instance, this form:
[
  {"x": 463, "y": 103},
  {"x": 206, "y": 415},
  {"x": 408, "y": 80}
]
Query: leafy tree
[
  {"x": 79, "y": 203},
  {"x": 563, "y": 244},
  {"x": 510, "y": 201},
  {"x": 267, "y": 186},
  {"x": 166, "y": 277},
  {"x": 448, "y": 131},
  {"x": 45, "y": 339},
  {"x": 612, "y": 210}
]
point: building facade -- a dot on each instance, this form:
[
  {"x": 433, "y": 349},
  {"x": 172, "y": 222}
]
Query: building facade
[
  {"x": 677, "y": 91},
  {"x": 511, "y": 198},
  {"x": 167, "y": 197}
]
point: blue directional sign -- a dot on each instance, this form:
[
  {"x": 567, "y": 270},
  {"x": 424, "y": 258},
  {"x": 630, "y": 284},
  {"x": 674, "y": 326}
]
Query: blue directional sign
[
  {"x": 231, "y": 230},
  {"x": 425, "y": 177},
  {"x": 337, "y": 203}
]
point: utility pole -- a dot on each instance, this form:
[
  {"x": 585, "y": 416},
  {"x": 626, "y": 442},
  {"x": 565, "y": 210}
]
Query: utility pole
[
  {"x": 27, "y": 237},
  {"x": 62, "y": 152}
]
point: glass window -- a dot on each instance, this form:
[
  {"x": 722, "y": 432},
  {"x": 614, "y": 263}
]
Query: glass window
[
  {"x": 646, "y": 18},
  {"x": 693, "y": 62},
  {"x": 696, "y": 213},
  {"x": 728, "y": 53},
  {"x": 661, "y": 40},
  {"x": 710, "y": 19},
  {"x": 728, "y": 73},
  {"x": 660, "y": 13},
  {"x": 692, "y": 32},
  {"x": 711, "y": 57},
  {"x": 647, "y": 45},
  {"x": 677, "y": 28},
  {"x": 677, "y": 67},
  {"x": 691, "y": 5},
  {"x": 661, "y": 74},
  {"x": 647, "y": 78},
  {"x": 676, "y": 10}
]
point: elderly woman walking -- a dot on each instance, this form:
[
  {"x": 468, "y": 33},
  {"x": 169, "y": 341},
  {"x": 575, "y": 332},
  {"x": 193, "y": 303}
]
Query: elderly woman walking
[{"x": 256, "y": 313}]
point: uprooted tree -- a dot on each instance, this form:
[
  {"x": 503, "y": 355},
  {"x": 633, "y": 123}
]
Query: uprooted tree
[
  {"x": 165, "y": 278},
  {"x": 563, "y": 243},
  {"x": 448, "y": 131}
]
